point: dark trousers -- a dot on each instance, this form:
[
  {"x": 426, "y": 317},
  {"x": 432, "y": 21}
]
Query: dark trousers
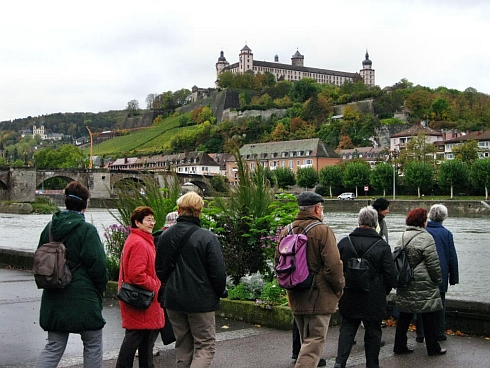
[
  {"x": 440, "y": 321},
  {"x": 143, "y": 340},
  {"x": 296, "y": 339},
  {"x": 372, "y": 341},
  {"x": 429, "y": 321}
]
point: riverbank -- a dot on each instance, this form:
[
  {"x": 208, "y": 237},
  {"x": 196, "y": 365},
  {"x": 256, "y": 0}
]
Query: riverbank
[{"x": 455, "y": 207}]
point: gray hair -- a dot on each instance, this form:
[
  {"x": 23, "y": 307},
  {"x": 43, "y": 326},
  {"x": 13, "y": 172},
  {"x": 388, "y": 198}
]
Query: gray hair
[
  {"x": 368, "y": 216},
  {"x": 308, "y": 208},
  {"x": 438, "y": 213}
]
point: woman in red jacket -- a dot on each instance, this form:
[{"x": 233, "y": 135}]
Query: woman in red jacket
[{"x": 138, "y": 266}]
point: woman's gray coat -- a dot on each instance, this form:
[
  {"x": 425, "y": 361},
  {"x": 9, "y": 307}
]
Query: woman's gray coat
[{"x": 422, "y": 295}]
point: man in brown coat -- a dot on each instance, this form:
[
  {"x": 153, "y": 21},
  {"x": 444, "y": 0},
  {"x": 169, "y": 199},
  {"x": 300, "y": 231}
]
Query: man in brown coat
[{"x": 312, "y": 307}]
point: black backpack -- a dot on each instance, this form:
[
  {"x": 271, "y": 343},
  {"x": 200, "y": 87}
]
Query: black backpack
[
  {"x": 404, "y": 271},
  {"x": 358, "y": 271}
]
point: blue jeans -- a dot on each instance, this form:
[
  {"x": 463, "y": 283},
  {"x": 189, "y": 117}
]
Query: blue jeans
[{"x": 54, "y": 349}]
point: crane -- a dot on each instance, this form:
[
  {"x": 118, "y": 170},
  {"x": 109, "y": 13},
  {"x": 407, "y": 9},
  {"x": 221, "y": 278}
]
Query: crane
[{"x": 91, "y": 147}]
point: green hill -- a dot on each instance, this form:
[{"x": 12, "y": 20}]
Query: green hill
[{"x": 149, "y": 140}]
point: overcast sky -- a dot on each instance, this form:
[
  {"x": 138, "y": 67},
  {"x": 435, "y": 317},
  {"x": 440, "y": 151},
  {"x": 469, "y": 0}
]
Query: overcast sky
[{"x": 93, "y": 56}]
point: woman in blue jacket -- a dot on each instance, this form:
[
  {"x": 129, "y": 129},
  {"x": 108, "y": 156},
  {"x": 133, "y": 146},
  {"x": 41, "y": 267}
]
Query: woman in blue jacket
[{"x": 449, "y": 265}]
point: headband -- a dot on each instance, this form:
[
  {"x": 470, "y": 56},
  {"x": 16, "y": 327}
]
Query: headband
[{"x": 74, "y": 196}]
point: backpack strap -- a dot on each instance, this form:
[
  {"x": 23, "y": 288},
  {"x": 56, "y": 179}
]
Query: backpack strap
[
  {"x": 311, "y": 226},
  {"x": 366, "y": 252},
  {"x": 51, "y": 239},
  {"x": 304, "y": 230}
]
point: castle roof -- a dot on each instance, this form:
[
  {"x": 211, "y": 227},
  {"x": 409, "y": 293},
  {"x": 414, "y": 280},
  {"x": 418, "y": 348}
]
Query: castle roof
[
  {"x": 306, "y": 69},
  {"x": 367, "y": 61}
]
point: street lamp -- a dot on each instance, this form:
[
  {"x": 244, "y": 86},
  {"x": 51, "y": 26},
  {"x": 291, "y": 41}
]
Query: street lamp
[{"x": 394, "y": 171}]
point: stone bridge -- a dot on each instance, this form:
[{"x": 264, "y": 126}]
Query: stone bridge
[{"x": 21, "y": 184}]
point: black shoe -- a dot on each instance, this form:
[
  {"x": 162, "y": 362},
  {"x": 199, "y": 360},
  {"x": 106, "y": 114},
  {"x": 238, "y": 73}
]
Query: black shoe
[
  {"x": 382, "y": 343},
  {"x": 419, "y": 339},
  {"x": 442, "y": 338},
  {"x": 294, "y": 356},
  {"x": 440, "y": 352},
  {"x": 403, "y": 351},
  {"x": 383, "y": 324},
  {"x": 322, "y": 363}
]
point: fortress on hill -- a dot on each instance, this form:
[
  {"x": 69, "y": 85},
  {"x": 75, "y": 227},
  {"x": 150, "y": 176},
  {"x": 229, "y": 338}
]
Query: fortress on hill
[{"x": 296, "y": 70}]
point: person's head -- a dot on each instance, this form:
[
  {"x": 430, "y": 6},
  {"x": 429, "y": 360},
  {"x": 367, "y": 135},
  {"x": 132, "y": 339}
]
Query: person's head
[
  {"x": 76, "y": 196},
  {"x": 171, "y": 219},
  {"x": 143, "y": 218},
  {"x": 190, "y": 204},
  {"x": 382, "y": 206},
  {"x": 438, "y": 213},
  {"x": 368, "y": 217},
  {"x": 417, "y": 217},
  {"x": 311, "y": 202}
]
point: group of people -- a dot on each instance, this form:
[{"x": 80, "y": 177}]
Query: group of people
[
  {"x": 183, "y": 265},
  {"x": 431, "y": 254}
]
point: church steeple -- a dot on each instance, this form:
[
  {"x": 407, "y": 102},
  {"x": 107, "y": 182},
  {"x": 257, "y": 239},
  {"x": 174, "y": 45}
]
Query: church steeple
[{"x": 367, "y": 72}]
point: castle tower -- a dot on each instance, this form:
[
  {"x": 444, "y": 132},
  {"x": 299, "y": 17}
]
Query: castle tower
[
  {"x": 221, "y": 64},
  {"x": 297, "y": 59},
  {"x": 246, "y": 60},
  {"x": 367, "y": 73}
]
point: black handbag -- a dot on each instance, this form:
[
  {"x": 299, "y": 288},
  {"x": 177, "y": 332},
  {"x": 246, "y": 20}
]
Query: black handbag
[{"x": 133, "y": 294}]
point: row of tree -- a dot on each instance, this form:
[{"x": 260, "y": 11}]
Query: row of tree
[{"x": 416, "y": 175}]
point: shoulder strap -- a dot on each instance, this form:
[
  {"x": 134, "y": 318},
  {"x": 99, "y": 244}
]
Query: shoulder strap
[
  {"x": 311, "y": 225},
  {"x": 51, "y": 239},
  {"x": 366, "y": 252},
  {"x": 185, "y": 239},
  {"x": 405, "y": 245}
]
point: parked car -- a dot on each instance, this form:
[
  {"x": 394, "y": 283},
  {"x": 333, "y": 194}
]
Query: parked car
[{"x": 347, "y": 196}]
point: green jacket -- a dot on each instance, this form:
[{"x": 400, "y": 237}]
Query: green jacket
[
  {"x": 77, "y": 307},
  {"x": 422, "y": 295}
]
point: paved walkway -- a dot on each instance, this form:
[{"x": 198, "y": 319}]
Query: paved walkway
[{"x": 239, "y": 345}]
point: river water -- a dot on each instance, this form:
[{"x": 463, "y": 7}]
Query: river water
[{"x": 471, "y": 237}]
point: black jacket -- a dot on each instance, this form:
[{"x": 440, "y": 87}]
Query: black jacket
[
  {"x": 196, "y": 279},
  {"x": 368, "y": 305}
]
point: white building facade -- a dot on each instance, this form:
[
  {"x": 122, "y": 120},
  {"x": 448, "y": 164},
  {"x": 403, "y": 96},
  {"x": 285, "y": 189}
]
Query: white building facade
[{"x": 296, "y": 70}]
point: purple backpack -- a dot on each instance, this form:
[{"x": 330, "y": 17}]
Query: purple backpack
[{"x": 292, "y": 268}]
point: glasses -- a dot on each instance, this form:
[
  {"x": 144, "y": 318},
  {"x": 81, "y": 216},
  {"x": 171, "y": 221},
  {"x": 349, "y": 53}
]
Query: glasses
[{"x": 149, "y": 219}]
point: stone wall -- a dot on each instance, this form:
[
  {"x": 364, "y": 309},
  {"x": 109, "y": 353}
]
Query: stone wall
[
  {"x": 461, "y": 208},
  {"x": 264, "y": 114}
]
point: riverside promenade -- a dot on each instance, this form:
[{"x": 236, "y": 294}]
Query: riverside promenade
[{"x": 239, "y": 345}]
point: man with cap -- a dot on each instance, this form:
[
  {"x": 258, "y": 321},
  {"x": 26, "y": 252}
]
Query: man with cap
[
  {"x": 382, "y": 206},
  {"x": 312, "y": 307}
]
